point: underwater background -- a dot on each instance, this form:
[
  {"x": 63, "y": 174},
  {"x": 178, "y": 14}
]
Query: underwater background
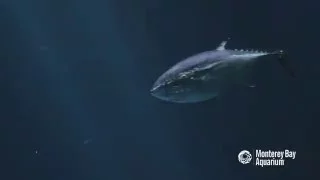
[{"x": 76, "y": 76}]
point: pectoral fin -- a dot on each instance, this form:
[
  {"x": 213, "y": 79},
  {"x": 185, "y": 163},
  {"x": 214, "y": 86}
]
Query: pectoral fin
[{"x": 246, "y": 84}]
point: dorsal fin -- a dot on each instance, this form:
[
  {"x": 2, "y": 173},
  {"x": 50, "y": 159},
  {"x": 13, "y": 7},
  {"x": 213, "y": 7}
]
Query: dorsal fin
[{"x": 222, "y": 45}]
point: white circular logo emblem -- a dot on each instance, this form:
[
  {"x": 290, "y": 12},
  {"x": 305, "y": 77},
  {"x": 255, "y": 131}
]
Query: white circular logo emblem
[{"x": 244, "y": 157}]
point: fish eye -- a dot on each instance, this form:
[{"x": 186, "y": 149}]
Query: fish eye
[{"x": 175, "y": 87}]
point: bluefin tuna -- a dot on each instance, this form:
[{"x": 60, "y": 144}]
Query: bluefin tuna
[{"x": 204, "y": 76}]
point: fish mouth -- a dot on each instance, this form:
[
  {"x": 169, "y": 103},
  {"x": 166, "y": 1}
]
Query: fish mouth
[{"x": 153, "y": 90}]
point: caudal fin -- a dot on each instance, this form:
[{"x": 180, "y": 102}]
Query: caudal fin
[{"x": 284, "y": 62}]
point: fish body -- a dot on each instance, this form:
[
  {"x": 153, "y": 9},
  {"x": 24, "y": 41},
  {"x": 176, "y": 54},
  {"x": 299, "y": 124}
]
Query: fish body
[{"x": 203, "y": 76}]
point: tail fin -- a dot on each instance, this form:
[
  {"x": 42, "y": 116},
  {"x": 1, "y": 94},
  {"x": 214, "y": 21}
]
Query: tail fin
[{"x": 283, "y": 60}]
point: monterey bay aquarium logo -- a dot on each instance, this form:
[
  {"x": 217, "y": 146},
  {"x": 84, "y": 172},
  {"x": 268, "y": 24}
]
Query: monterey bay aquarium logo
[{"x": 264, "y": 158}]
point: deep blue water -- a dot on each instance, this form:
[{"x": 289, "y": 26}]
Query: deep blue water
[{"x": 76, "y": 76}]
